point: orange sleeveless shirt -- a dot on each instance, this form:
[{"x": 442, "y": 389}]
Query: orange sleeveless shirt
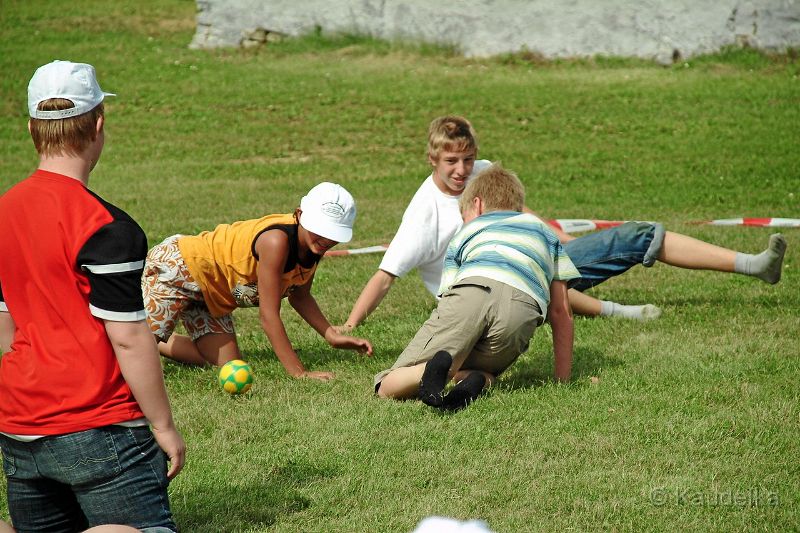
[{"x": 224, "y": 264}]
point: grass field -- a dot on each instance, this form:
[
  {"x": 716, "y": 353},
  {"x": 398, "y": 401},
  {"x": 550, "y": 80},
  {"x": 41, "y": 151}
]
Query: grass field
[{"x": 690, "y": 422}]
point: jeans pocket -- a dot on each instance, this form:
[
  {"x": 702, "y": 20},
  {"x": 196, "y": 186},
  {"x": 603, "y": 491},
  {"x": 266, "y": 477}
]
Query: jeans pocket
[
  {"x": 144, "y": 447},
  {"x": 9, "y": 464},
  {"x": 143, "y": 438},
  {"x": 84, "y": 457}
]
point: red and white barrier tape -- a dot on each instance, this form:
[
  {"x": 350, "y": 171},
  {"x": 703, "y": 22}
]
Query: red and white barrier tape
[
  {"x": 357, "y": 251},
  {"x": 577, "y": 225},
  {"x": 758, "y": 222}
]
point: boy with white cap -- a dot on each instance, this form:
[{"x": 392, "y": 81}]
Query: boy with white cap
[
  {"x": 201, "y": 279},
  {"x": 80, "y": 378}
]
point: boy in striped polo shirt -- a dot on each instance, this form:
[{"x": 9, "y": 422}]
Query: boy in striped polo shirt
[{"x": 505, "y": 272}]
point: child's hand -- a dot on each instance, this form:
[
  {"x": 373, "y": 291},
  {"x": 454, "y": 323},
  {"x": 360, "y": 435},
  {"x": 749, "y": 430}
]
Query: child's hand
[
  {"x": 346, "y": 342},
  {"x": 173, "y": 445},
  {"x": 320, "y": 376},
  {"x": 362, "y": 346},
  {"x": 344, "y": 329}
]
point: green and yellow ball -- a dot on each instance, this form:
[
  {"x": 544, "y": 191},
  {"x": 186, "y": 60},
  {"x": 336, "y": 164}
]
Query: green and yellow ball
[{"x": 236, "y": 376}]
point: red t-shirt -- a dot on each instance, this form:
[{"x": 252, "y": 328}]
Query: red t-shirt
[{"x": 68, "y": 260}]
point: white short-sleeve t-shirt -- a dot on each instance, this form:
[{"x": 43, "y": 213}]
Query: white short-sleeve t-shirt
[{"x": 429, "y": 222}]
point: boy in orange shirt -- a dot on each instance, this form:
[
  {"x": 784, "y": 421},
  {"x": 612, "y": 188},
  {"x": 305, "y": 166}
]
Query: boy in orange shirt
[{"x": 201, "y": 279}]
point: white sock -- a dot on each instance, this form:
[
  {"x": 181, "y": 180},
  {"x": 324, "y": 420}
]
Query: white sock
[
  {"x": 765, "y": 266},
  {"x": 635, "y": 312}
]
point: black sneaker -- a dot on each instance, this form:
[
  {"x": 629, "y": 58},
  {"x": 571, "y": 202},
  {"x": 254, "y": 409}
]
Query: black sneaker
[
  {"x": 434, "y": 378},
  {"x": 465, "y": 391}
]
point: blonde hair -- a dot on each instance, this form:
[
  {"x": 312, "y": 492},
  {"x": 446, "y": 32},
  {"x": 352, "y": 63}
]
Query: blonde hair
[
  {"x": 498, "y": 188},
  {"x": 451, "y": 133},
  {"x": 69, "y": 136}
]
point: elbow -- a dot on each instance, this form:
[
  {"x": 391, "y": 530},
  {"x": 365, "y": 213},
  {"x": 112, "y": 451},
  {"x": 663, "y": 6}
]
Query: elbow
[
  {"x": 265, "y": 317},
  {"x": 560, "y": 315},
  {"x": 384, "y": 279},
  {"x": 268, "y": 314}
]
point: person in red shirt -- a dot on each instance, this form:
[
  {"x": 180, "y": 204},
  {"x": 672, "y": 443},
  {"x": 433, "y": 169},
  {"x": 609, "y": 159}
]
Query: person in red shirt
[{"x": 81, "y": 382}]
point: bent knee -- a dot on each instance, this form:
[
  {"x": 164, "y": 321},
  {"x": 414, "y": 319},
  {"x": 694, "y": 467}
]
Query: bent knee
[
  {"x": 381, "y": 392},
  {"x": 399, "y": 384}
]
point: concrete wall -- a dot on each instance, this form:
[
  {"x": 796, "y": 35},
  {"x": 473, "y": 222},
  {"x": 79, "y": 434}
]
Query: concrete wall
[{"x": 660, "y": 30}]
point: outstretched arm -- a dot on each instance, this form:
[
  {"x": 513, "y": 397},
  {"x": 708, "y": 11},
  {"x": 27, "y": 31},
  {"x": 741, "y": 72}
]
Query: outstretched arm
[
  {"x": 560, "y": 316},
  {"x": 272, "y": 248},
  {"x": 140, "y": 364},
  {"x": 371, "y": 296}
]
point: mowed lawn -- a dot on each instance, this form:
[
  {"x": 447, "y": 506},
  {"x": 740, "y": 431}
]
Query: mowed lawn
[{"x": 689, "y": 422}]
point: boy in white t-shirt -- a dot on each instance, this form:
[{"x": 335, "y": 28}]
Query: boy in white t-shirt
[
  {"x": 432, "y": 218},
  {"x": 427, "y": 227}
]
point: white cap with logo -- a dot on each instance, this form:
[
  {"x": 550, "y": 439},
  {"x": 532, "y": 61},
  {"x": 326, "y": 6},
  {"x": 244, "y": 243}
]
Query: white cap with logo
[
  {"x": 329, "y": 211},
  {"x": 64, "y": 79}
]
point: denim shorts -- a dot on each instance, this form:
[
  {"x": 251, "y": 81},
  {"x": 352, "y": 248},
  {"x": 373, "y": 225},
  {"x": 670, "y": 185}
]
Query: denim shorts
[
  {"x": 604, "y": 254},
  {"x": 107, "y": 475}
]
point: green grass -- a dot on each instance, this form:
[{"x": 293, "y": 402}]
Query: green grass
[{"x": 700, "y": 407}]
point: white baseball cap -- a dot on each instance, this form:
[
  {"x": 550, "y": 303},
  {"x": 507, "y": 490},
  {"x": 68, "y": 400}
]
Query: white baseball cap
[
  {"x": 441, "y": 524},
  {"x": 329, "y": 211},
  {"x": 64, "y": 79}
]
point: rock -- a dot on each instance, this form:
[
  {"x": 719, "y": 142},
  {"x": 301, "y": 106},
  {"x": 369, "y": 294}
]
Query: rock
[{"x": 651, "y": 29}]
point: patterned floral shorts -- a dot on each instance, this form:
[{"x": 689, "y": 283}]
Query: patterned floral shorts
[{"x": 171, "y": 293}]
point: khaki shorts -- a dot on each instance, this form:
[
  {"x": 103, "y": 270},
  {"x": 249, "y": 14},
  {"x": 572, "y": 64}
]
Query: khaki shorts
[
  {"x": 489, "y": 322},
  {"x": 171, "y": 293}
]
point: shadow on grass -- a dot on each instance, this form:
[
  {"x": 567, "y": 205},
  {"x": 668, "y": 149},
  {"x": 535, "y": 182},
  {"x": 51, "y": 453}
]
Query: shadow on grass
[
  {"x": 239, "y": 506},
  {"x": 237, "y": 510},
  {"x": 531, "y": 372}
]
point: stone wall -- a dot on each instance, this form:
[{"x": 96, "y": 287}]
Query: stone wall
[{"x": 663, "y": 30}]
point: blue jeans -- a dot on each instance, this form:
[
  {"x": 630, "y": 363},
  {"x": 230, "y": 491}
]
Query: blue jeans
[
  {"x": 107, "y": 475},
  {"x": 611, "y": 252}
]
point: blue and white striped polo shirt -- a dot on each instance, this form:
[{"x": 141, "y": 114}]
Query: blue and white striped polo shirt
[{"x": 514, "y": 248}]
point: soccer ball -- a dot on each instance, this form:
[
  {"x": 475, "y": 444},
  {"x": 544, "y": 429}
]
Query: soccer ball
[{"x": 236, "y": 376}]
